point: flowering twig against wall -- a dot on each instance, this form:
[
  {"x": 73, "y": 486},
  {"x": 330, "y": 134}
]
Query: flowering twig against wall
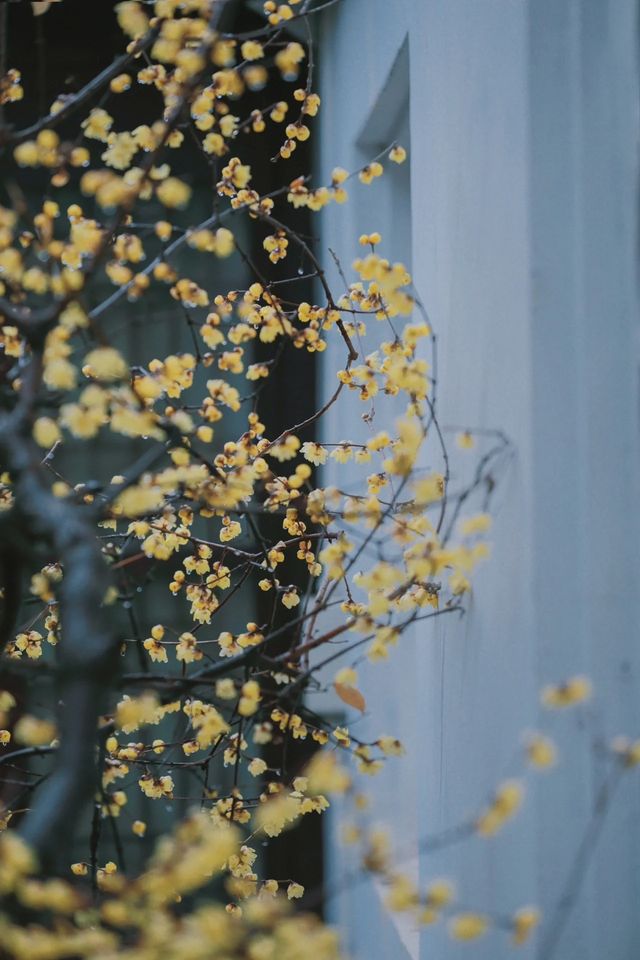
[{"x": 177, "y": 572}]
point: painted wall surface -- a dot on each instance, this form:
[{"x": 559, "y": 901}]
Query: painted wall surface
[{"x": 517, "y": 215}]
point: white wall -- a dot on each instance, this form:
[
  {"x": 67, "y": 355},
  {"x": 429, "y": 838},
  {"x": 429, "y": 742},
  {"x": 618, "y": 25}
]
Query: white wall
[{"x": 523, "y": 166}]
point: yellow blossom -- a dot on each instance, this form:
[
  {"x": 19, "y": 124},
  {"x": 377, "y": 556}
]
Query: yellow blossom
[
  {"x": 290, "y": 598},
  {"x": 257, "y": 767},
  {"x": 524, "y": 923},
  {"x": 173, "y": 192},
  {"x": 156, "y": 787},
  {"x": 314, "y": 453},
  {"x": 465, "y": 440},
  {"x": 505, "y": 804},
  {"x": 121, "y": 83},
  {"x": 46, "y": 432},
  {"x": 397, "y": 154},
  {"x": 98, "y": 124},
  {"x": 478, "y": 524},
  {"x": 468, "y": 926},
  {"x": 540, "y": 751},
  {"x": 572, "y": 691},
  {"x": 106, "y": 363},
  {"x": 440, "y": 893},
  {"x": 33, "y": 731}
]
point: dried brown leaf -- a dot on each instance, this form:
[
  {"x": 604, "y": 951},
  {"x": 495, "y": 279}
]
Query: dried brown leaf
[{"x": 351, "y": 696}]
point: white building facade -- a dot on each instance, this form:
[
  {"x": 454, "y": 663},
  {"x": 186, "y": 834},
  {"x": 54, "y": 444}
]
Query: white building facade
[{"x": 517, "y": 214}]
